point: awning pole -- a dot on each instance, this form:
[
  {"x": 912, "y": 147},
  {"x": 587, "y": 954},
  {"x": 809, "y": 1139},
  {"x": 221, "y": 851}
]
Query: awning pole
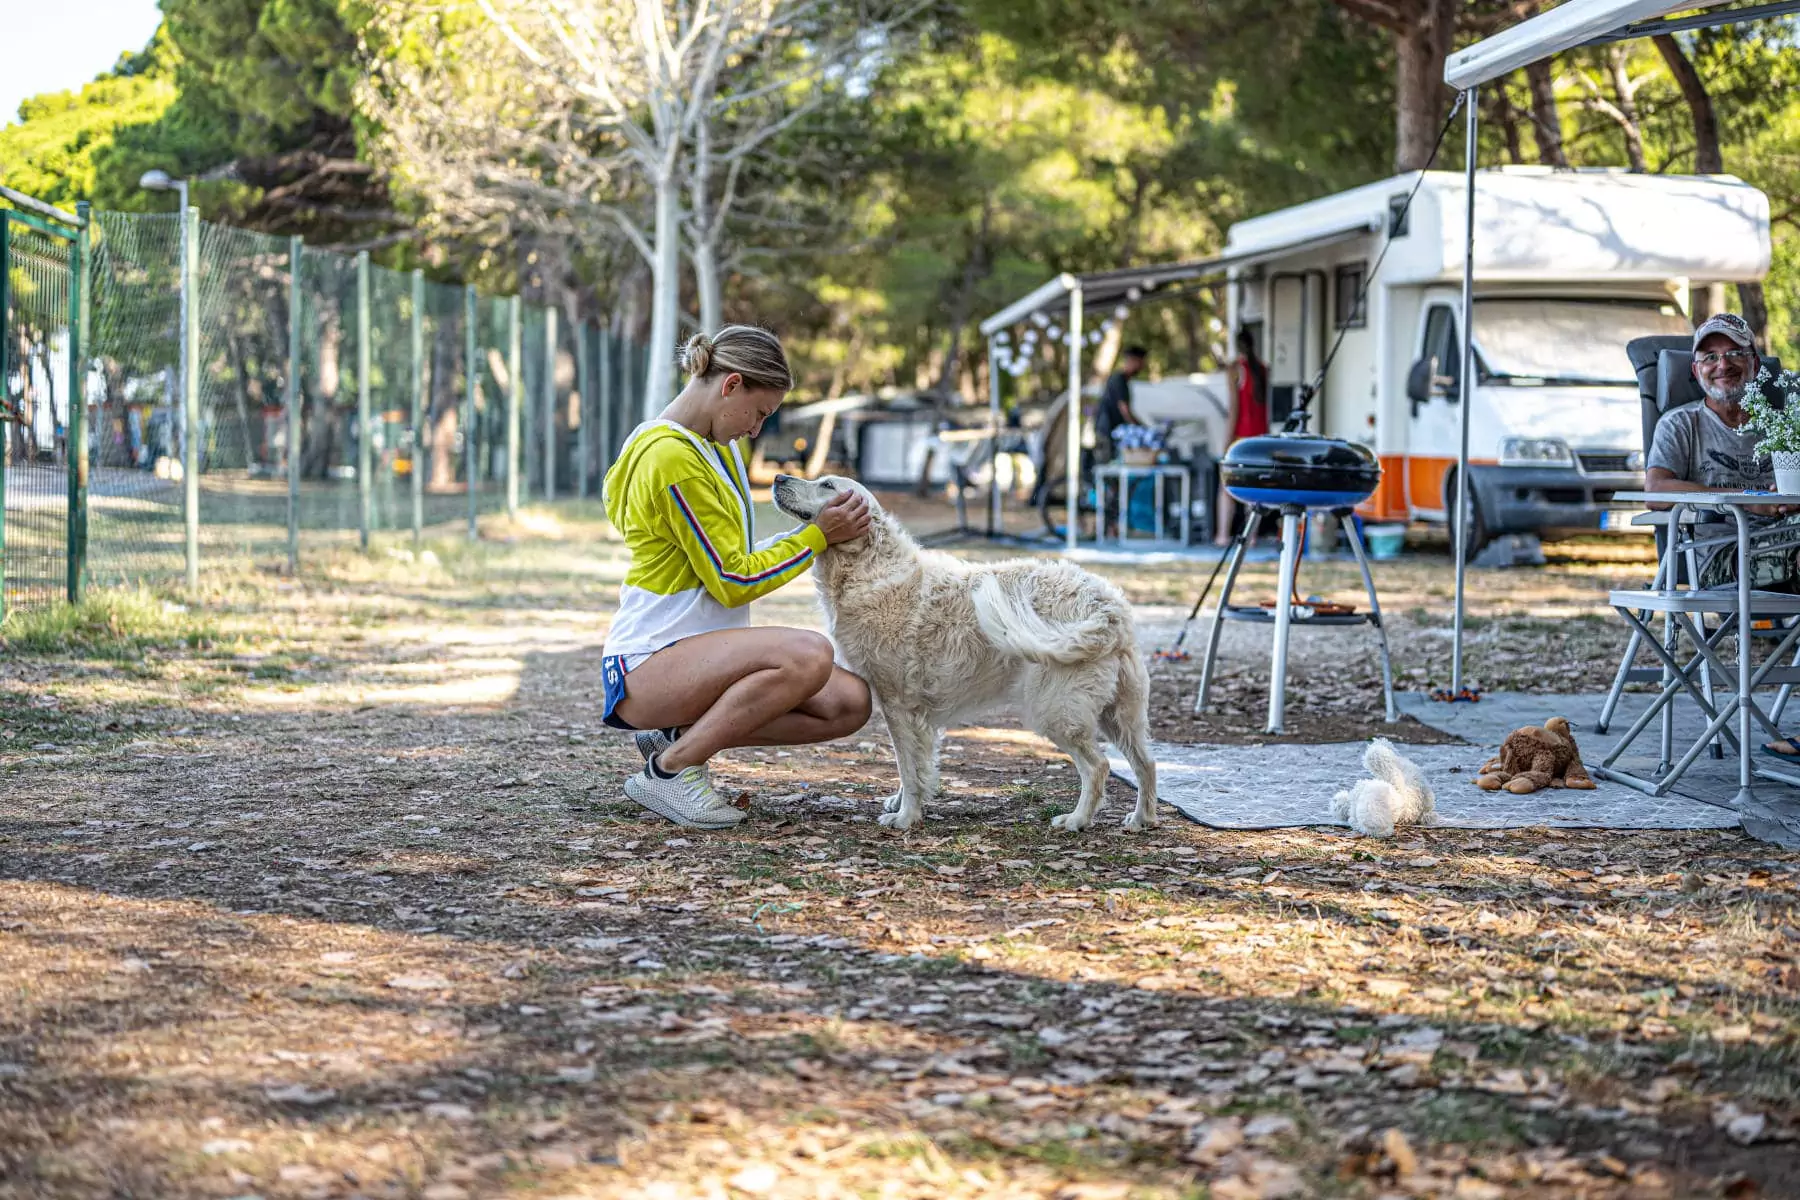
[
  {"x": 1465, "y": 388},
  {"x": 1073, "y": 466},
  {"x": 994, "y": 432}
]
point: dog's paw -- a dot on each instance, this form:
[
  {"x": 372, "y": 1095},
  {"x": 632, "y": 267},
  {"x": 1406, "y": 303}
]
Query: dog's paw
[
  {"x": 891, "y": 804},
  {"x": 901, "y": 819},
  {"x": 1138, "y": 822},
  {"x": 1069, "y": 823}
]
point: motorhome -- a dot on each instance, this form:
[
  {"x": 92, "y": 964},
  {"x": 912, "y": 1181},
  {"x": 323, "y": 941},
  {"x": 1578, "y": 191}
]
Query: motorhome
[{"x": 1569, "y": 267}]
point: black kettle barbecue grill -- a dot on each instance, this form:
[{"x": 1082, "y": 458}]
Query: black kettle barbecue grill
[{"x": 1293, "y": 473}]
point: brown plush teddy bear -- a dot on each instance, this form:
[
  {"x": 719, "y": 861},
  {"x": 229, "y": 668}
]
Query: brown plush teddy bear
[{"x": 1534, "y": 757}]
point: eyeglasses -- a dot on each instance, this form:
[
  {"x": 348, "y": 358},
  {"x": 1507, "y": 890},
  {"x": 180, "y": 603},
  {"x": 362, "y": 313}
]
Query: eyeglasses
[{"x": 1713, "y": 358}]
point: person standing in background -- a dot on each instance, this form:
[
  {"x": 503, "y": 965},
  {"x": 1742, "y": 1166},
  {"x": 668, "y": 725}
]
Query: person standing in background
[
  {"x": 1115, "y": 402},
  {"x": 1248, "y": 383}
]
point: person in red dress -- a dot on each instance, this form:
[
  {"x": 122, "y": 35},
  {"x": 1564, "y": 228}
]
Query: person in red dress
[{"x": 1248, "y": 381}]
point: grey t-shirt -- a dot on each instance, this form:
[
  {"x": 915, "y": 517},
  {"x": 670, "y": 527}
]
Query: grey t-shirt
[
  {"x": 1695, "y": 445},
  {"x": 1692, "y": 443}
]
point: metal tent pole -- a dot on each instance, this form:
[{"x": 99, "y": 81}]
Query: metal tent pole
[
  {"x": 1072, "y": 469},
  {"x": 1459, "y": 527}
]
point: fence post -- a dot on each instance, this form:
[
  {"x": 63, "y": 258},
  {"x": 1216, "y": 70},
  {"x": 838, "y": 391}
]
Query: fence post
[
  {"x": 469, "y": 385},
  {"x": 364, "y": 440},
  {"x": 190, "y": 396},
  {"x": 584, "y": 428},
  {"x": 5, "y": 343},
  {"x": 515, "y": 394},
  {"x": 604, "y": 337},
  {"x": 290, "y": 401},
  {"x": 549, "y": 402},
  {"x": 416, "y": 417},
  {"x": 78, "y": 425}
]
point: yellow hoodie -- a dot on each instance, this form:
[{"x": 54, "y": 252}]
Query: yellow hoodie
[{"x": 682, "y": 503}]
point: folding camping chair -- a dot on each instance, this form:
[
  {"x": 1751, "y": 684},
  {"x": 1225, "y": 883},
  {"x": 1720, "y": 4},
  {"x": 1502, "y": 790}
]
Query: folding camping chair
[{"x": 1663, "y": 365}]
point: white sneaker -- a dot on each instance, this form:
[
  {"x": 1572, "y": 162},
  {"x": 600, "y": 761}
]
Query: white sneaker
[{"x": 687, "y": 799}]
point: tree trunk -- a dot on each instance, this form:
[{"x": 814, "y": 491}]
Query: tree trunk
[
  {"x": 1546, "y": 121},
  {"x": 1625, "y": 92},
  {"x": 1503, "y": 114},
  {"x": 665, "y": 298},
  {"x": 705, "y": 249},
  {"x": 1419, "y": 83},
  {"x": 975, "y": 269},
  {"x": 1707, "y": 158}
]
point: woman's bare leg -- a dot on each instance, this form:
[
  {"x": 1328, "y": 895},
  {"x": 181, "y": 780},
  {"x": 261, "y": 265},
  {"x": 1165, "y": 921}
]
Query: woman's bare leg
[{"x": 737, "y": 687}]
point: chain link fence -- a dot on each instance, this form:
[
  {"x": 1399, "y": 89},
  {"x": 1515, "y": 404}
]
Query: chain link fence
[{"x": 331, "y": 400}]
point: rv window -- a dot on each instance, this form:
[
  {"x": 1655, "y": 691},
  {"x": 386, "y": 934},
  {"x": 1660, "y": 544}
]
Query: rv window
[
  {"x": 1349, "y": 303},
  {"x": 1442, "y": 343},
  {"x": 1572, "y": 341}
]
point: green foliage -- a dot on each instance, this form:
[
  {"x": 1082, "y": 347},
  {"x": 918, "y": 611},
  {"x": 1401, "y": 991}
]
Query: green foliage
[
  {"x": 51, "y": 152},
  {"x": 998, "y": 143}
]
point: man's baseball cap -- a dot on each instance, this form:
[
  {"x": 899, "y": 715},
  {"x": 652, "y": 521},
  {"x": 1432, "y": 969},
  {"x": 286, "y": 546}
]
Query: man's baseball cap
[{"x": 1729, "y": 324}]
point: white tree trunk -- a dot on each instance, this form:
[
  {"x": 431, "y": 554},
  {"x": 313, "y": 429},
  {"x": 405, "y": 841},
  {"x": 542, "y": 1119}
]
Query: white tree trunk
[
  {"x": 706, "y": 282},
  {"x": 665, "y": 298}
]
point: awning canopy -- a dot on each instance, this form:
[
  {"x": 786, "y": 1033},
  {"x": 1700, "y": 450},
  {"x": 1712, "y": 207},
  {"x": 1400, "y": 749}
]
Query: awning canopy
[
  {"x": 1135, "y": 285},
  {"x": 1574, "y": 23}
]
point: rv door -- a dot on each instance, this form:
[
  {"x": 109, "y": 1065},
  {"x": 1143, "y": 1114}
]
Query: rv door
[{"x": 1434, "y": 393}]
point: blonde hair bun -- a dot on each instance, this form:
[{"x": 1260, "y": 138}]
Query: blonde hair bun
[
  {"x": 697, "y": 357},
  {"x": 747, "y": 350}
]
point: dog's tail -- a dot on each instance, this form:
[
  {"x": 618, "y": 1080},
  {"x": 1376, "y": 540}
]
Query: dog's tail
[
  {"x": 1401, "y": 773},
  {"x": 1016, "y": 628}
]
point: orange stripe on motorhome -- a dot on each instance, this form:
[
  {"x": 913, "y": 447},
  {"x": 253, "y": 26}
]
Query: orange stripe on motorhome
[{"x": 1388, "y": 503}]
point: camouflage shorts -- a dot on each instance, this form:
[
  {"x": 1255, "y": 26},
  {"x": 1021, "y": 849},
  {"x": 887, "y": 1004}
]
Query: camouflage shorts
[{"x": 1774, "y": 559}]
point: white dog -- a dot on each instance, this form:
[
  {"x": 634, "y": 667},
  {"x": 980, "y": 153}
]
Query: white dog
[
  {"x": 941, "y": 640},
  {"x": 1398, "y": 795}
]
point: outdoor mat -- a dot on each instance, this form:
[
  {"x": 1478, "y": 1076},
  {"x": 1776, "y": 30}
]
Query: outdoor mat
[{"x": 1279, "y": 787}]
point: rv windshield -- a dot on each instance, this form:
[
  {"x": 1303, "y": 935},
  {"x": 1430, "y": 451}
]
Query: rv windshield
[{"x": 1567, "y": 341}]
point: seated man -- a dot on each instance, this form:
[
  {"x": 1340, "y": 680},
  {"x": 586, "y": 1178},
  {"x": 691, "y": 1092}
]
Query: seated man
[{"x": 1711, "y": 447}]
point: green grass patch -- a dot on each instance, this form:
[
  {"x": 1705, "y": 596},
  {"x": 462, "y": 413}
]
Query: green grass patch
[{"x": 120, "y": 625}]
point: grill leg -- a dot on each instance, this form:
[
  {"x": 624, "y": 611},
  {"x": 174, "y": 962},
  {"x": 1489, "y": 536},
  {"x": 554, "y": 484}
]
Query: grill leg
[
  {"x": 1284, "y": 611},
  {"x": 1387, "y": 666},
  {"x": 1236, "y": 552}
]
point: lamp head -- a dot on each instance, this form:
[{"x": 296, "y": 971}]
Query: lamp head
[{"x": 156, "y": 180}]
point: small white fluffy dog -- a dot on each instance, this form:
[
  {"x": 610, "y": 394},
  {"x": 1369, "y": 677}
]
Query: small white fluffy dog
[
  {"x": 1398, "y": 795},
  {"x": 941, "y": 640}
]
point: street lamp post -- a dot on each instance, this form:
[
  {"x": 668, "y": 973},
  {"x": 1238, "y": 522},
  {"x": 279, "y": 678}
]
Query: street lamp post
[{"x": 160, "y": 181}]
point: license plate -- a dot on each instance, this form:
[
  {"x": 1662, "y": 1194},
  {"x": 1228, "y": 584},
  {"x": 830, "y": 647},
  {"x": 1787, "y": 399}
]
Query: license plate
[{"x": 1619, "y": 518}]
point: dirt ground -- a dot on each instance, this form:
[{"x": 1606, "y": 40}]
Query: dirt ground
[{"x": 327, "y": 888}]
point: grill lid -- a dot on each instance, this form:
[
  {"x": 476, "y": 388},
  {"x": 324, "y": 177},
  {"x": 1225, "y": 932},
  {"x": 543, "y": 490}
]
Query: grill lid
[{"x": 1299, "y": 469}]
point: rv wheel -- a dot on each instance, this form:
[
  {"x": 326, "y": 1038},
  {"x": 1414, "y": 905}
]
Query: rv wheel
[{"x": 1478, "y": 536}]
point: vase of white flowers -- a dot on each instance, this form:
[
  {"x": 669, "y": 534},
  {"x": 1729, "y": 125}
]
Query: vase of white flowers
[{"x": 1773, "y": 402}]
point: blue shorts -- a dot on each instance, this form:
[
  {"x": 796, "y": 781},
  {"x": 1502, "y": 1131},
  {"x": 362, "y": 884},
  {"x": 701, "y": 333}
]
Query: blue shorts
[{"x": 613, "y": 669}]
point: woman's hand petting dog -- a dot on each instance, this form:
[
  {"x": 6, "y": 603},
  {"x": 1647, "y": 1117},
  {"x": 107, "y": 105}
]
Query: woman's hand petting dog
[{"x": 845, "y": 519}]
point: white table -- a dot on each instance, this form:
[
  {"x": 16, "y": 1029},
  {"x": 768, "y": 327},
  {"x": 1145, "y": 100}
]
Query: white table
[
  {"x": 1770, "y": 819},
  {"x": 1123, "y": 473}
]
